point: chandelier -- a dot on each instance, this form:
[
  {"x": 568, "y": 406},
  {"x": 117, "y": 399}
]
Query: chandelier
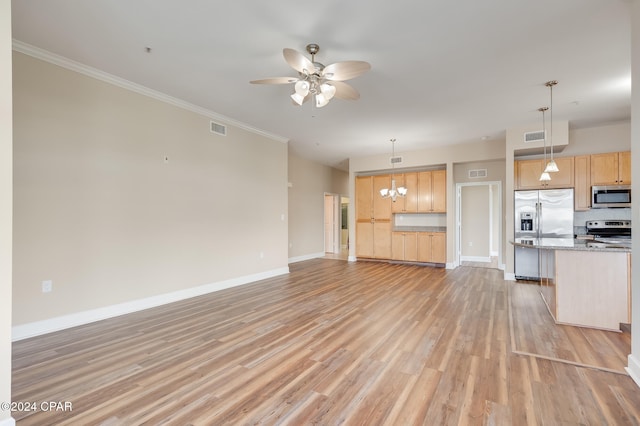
[{"x": 394, "y": 191}]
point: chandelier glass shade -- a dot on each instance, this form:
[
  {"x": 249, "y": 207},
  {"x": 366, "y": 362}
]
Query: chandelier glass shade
[{"x": 394, "y": 192}]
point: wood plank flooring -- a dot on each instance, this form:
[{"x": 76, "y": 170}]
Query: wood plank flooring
[{"x": 332, "y": 342}]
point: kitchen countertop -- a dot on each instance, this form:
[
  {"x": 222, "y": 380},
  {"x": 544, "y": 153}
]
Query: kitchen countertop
[
  {"x": 567, "y": 244},
  {"x": 419, "y": 229}
]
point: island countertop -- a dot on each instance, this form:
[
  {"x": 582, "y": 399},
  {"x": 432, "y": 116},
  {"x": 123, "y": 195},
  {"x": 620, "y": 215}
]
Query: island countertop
[{"x": 568, "y": 244}]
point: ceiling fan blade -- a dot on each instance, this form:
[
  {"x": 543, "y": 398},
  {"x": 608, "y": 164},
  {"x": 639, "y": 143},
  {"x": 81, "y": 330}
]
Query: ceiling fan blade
[
  {"x": 346, "y": 70},
  {"x": 275, "y": 80},
  {"x": 344, "y": 91},
  {"x": 298, "y": 61}
]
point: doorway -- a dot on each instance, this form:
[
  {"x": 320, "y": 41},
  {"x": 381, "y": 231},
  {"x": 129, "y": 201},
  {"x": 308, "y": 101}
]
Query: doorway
[
  {"x": 336, "y": 232},
  {"x": 479, "y": 224}
]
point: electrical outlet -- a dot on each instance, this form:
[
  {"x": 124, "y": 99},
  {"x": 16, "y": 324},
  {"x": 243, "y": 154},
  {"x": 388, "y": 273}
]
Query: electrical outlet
[
  {"x": 470, "y": 243},
  {"x": 261, "y": 255},
  {"x": 47, "y": 286}
]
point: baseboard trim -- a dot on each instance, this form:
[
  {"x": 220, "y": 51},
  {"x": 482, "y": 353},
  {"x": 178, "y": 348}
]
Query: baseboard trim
[
  {"x": 475, "y": 259},
  {"x": 634, "y": 369},
  {"x": 8, "y": 422},
  {"x": 37, "y": 328},
  {"x": 352, "y": 259},
  {"x": 306, "y": 257},
  {"x": 509, "y": 276}
]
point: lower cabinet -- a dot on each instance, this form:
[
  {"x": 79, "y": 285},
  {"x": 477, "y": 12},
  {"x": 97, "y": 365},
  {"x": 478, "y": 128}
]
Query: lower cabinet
[
  {"x": 404, "y": 246},
  {"x": 432, "y": 247},
  {"x": 373, "y": 239}
]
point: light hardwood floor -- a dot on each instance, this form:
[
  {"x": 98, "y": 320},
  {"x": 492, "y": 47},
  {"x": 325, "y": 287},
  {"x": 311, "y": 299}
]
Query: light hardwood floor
[{"x": 330, "y": 343}]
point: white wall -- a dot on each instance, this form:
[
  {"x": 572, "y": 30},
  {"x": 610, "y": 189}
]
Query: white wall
[
  {"x": 475, "y": 216},
  {"x": 6, "y": 199},
  {"x": 309, "y": 182},
  {"x": 100, "y": 213}
]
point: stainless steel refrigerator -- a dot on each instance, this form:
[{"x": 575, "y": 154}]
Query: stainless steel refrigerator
[{"x": 547, "y": 213}]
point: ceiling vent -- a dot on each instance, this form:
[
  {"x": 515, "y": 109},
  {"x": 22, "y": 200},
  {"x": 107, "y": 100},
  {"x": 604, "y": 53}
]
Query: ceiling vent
[
  {"x": 477, "y": 173},
  {"x": 536, "y": 136},
  {"x": 218, "y": 129},
  {"x": 395, "y": 160}
]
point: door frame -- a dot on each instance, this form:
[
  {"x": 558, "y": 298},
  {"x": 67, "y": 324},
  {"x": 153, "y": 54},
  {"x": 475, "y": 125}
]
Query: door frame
[
  {"x": 458, "y": 237},
  {"x": 336, "y": 222}
]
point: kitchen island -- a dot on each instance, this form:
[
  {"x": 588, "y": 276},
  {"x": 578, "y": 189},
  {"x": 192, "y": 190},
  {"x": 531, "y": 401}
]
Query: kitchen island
[{"x": 584, "y": 283}]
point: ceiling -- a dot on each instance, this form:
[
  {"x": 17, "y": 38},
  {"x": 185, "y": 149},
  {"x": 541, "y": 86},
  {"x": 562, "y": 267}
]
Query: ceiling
[{"x": 443, "y": 72}]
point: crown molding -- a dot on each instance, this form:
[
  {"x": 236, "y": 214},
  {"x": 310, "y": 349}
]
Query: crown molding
[{"x": 78, "y": 67}]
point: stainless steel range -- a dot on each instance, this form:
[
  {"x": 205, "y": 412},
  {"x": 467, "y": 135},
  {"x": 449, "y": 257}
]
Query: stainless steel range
[{"x": 609, "y": 233}]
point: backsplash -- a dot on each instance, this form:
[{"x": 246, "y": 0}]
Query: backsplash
[{"x": 581, "y": 218}]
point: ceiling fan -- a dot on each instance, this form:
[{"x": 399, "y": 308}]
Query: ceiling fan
[{"x": 316, "y": 80}]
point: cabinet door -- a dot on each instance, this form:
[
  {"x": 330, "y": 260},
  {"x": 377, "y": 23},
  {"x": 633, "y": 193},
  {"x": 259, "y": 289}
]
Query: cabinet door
[
  {"x": 411, "y": 200},
  {"x": 382, "y": 239},
  {"x": 424, "y": 192},
  {"x": 604, "y": 169},
  {"x": 424, "y": 247},
  {"x": 397, "y": 246},
  {"x": 528, "y": 174},
  {"x": 439, "y": 191},
  {"x": 364, "y": 191},
  {"x": 364, "y": 238},
  {"x": 624, "y": 168},
  {"x": 381, "y": 206},
  {"x": 411, "y": 246},
  {"x": 582, "y": 180},
  {"x": 439, "y": 247},
  {"x": 563, "y": 178}
]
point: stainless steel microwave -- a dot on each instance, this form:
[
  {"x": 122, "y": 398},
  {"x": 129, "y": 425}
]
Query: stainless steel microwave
[{"x": 610, "y": 196}]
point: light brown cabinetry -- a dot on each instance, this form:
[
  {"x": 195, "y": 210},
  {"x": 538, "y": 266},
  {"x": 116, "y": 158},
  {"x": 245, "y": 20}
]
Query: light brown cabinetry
[
  {"x": 373, "y": 217},
  {"x": 408, "y": 203},
  {"x": 404, "y": 246},
  {"x": 612, "y": 168},
  {"x": 527, "y": 174},
  {"x": 432, "y": 247},
  {"x": 432, "y": 191},
  {"x": 592, "y": 289},
  {"x": 582, "y": 182}
]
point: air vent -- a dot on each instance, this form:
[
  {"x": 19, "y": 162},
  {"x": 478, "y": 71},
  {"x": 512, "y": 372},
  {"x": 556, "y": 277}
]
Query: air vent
[
  {"x": 536, "y": 136},
  {"x": 218, "y": 129},
  {"x": 477, "y": 173},
  {"x": 395, "y": 160}
]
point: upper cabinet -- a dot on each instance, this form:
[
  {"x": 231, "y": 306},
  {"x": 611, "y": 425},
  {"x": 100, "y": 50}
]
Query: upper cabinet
[
  {"x": 612, "y": 168},
  {"x": 432, "y": 191},
  {"x": 408, "y": 203},
  {"x": 527, "y": 174}
]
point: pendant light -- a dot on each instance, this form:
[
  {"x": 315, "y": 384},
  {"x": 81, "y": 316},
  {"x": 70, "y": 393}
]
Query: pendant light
[
  {"x": 393, "y": 192},
  {"x": 551, "y": 167},
  {"x": 544, "y": 177}
]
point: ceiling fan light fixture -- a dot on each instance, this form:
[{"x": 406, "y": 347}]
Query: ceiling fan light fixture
[
  {"x": 321, "y": 100},
  {"x": 302, "y": 88},
  {"x": 297, "y": 98},
  {"x": 313, "y": 80}
]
